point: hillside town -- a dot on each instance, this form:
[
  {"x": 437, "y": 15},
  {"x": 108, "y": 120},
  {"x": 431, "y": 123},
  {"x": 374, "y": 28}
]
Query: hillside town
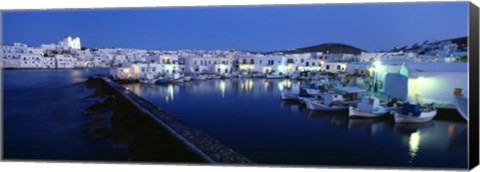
[{"x": 68, "y": 53}]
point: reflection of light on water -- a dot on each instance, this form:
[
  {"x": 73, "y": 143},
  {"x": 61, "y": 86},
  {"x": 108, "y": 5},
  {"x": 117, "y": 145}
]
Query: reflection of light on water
[
  {"x": 250, "y": 84},
  {"x": 166, "y": 99},
  {"x": 280, "y": 86},
  {"x": 266, "y": 85},
  {"x": 413, "y": 145},
  {"x": 137, "y": 89},
  {"x": 451, "y": 130},
  {"x": 170, "y": 91},
  {"x": 222, "y": 88},
  {"x": 76, "y": 75}
]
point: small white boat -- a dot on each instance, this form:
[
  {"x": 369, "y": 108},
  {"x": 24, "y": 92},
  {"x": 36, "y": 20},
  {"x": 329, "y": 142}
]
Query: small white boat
[
  {"x": 215, "y": 76},
  {"x": 295, "y": 76},
  {"x": 243, "y": 74},
  {"x": 287, "y": 96},
  {"x": 368, "y": 107},
  {"x": 187, "y": 78},
  {"x": 291, "y": 95},
  {"x": 225, "y": 76},
  {"x": 163, "y": 80},
  {"x": 178, "y": 80},
  {"x": 258, "y": 75},
  {"x": 461, "y": 103},
  {"x": 274, "y": 76},
  {"x": 330, "y": 102},
  {"x": 414, "y": 114},
  {"x": 197, "y": 76},
  {"x": 148, "y": 79},
  {"x": 313, "y": 91}
]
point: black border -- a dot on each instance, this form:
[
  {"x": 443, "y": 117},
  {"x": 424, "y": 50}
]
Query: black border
[{"x": 473, "y": 86}]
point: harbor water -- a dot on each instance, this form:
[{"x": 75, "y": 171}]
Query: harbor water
[
  {"x": 248, "y": 116},
  {"x": 43, "y": 119}
]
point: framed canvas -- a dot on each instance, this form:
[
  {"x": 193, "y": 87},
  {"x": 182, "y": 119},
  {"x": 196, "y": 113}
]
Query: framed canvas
[{"x": 358, "y": 85}]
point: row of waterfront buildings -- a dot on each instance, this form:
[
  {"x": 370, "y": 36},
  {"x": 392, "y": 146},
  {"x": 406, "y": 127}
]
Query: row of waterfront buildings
[
  {"x": 440, "y": 69},
  {"x": 69, "y": 54}
]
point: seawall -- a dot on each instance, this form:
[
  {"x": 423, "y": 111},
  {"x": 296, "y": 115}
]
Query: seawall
[{"x": 185, "y": 143}]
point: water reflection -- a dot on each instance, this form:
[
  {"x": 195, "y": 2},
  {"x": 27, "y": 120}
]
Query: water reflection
[
  {"x": 247, "y": 115},
  {"x": 413, "y": 145}
]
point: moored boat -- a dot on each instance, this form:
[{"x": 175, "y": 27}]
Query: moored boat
[
  {"x": 198, "y": 76},
  {"x": 274, "y": 76},
  {"x": 330, "y": 102},
  {"x": 163, "y": 80},
  {"x": 368, "y": 107},
  {"x": 461, "y": 103},
  {"x": 187, "y": 78},
  {"x": 415, "y": 113}
]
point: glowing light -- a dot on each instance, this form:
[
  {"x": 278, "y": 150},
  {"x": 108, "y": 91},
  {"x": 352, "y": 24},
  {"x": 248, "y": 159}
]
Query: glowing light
[
  {"x": 250, "y": 84},
  {"x": 137, "y": 89},
  {"x": 413, "y": 145},
  {"x": 170, "y": 91},
  {"x": 280, "y": 86},
  {"x": 377, "y": 63},
  {"x": 222, "y": 88}
]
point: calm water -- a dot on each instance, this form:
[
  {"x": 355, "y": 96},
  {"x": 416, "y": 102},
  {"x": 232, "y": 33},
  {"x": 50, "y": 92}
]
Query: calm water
[
  {"x": 248, "y": 116},
  {"x": 43, "y": 116}
]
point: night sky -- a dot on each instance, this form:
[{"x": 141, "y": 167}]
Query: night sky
[{"x": 255, "y": 28}]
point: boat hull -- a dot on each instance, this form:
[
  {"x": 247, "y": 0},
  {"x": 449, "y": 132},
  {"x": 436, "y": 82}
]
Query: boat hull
[
  {"x": 317, "y": 105},
  {"x": 461, "y": 104},
  {"x": 424, "y": 117},
  {"x": 289, "y": 97},
  {"x": 354, "y": 112},
  {"x": 275, "y": 77}
]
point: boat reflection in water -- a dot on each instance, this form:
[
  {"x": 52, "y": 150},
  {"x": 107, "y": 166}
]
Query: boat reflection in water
[{"x": 248, "y": 116}]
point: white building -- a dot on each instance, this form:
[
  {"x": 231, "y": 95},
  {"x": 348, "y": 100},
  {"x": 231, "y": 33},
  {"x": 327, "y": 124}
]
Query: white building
[
  {"x": 70, "y": 43},
  {"x": 64, "y": 61}
]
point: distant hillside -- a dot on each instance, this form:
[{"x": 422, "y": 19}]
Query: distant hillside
[
  {"x": 460, "y": 41},
  {"x": 331, "y": 48}
]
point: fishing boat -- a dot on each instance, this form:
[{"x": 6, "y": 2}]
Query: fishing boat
[
  {"x": 303, "y": 76},
  {"x": 163, "y": 80},
  {"x": 313, "y": 91},
  {"x": 197, "y": 76},
  {"x": 148, "y": 79},
  {"x": 187, "y": 78},
  {"x": 291, "y": 95},
  {"x": 415, "y": 113},
  {"x": 368, "y": 107},
  {"x": 215, "y": 76},
  {"x": 225, "y": 76},
  {"x": 258, "y": 75},
  {"x": 461, "y": 103},
  {"x": 295, "y": 76},
  {"x": 177, "y": 78},
  {"x": 335, "y": 101},
  {"x": 274, "y": 76},
  {"x": 330, "y": 102},
  {"x": 243, "y": 74}
]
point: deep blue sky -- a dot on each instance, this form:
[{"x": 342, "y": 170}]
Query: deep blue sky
[{"x": 256, "y": 28}]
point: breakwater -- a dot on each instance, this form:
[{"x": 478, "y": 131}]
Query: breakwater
[{"x": 159, "y": 135}]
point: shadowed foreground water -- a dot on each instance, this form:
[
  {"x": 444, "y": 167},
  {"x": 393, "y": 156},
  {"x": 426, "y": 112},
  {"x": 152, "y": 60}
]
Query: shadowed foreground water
[
  {"x": 248, "y": 116},
  {"x": 43, "y": 117}
]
